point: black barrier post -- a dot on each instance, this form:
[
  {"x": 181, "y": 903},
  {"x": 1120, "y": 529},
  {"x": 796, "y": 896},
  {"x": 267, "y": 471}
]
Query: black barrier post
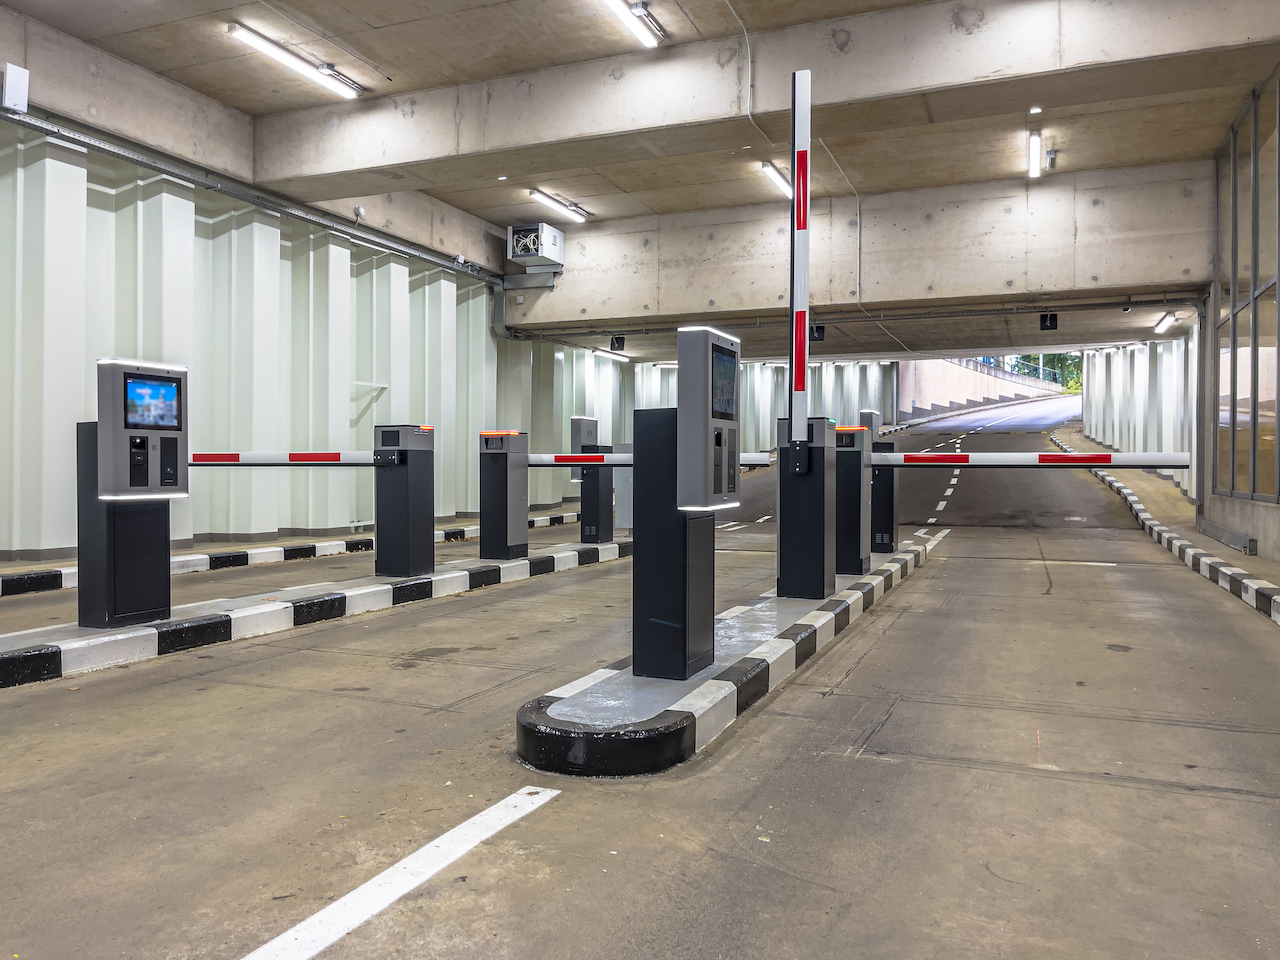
[
  {"x": 597, "y": 499},
  {"x": 853, "y": 500},
  {"x": 504, "y": 495},
  {"x": 673, "y": 572},
  {"x": 122, "y": 549},
  {"x": 404, "y": 500},
  {"x": 807, "y": 513},
  {"x": 884, "y": 503}
]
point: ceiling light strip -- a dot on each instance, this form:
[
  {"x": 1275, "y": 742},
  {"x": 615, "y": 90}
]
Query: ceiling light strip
[
  {"x": 323, "y": 74},
  {"x": 570, "y": 210}
]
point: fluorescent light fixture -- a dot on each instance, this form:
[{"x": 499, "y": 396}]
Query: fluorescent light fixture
[
  {"x": 1033, "y": 111},
  {"x": 1165, "y": 322},
  {"x": 779, "y": 181},
  {"x": 1033, "y": 154},
  {"x": 718, "y": 333},
  {"x": 640, "y": 23},
  {"x": 610, "y": 355},
  {"x": 776, "y": 363},
  {"x": 572, "y": 211},
  {"x": 323, "y": 73}
]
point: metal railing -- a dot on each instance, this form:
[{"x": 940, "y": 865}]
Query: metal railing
[{"x": 1024, "y": 367}]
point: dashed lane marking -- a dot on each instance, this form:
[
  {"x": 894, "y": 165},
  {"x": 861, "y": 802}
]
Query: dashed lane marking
[
  {"x": 767, "y": 516},
  {"x": 366, "y": 901},
  {"x": 942, "y": 505}
]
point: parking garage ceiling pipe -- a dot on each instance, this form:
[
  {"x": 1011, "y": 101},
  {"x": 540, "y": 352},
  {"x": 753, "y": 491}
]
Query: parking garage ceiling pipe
[{"x": 247, "y": 194}]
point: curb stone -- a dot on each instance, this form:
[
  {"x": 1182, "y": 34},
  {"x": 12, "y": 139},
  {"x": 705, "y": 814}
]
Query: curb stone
[{"x": 47, "y": 661}]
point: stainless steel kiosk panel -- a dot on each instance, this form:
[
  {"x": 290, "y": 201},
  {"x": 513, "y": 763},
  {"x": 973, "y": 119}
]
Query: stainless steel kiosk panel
[
  {"x": 504, "y": 495},
  {"x": 142, "y": 430},
  {"x": 807, "y": 513},
  {"x": 405, "y": 500},
  {"x": 707, "y": 425},
  {"x": 853, "y": 500}
]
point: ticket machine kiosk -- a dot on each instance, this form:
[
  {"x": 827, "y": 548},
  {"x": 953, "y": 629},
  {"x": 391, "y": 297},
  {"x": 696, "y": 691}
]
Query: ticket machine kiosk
[
  {"x": 405, "y": 500},
  {"x": 884, "y": 490},
  {"x": 129, "y": 465},
  {"x": 685, "y": 467}
]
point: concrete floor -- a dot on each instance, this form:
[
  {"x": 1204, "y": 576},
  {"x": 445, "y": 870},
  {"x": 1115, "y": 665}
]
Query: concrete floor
[{"x": 1052, "y": 740}]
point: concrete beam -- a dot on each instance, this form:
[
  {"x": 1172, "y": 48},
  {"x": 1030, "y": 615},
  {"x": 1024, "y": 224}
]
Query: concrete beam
[
  {"x": 1089, "y": 234},
  {"x": 893, "y": 68},
  {"x": 81, "y": 82},
  {"x": 421, "y": 219}
]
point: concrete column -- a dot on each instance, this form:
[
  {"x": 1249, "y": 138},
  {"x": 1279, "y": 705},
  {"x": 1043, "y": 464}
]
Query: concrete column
[
  {"x": 549, "y": 430},
  {"x": 442, "y": 384},
  {"x": 329, "y": 329},
  {"x": 515, "y": 385},
  {"x": 418, "y": 346},
  {"x": 166, "y": 294},
  {"x": 478, "y": 405},
  {"x": 43, "y": 367}
]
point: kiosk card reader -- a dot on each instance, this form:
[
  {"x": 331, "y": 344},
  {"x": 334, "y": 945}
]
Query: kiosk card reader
[
  {"x": 707, "y": 419},
  {"x": 504, "y": 495},
  {"x": 142, "y": 431},
  {"x": 596, "y": 520},
  {"x": 853, "y": 500},
  {"x": 129, "y": 465},
  {"x": 404, "y": 500}
]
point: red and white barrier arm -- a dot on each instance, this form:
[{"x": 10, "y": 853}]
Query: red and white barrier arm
[
  {"x": 619, "y": 459},
  {"x": 1141, "y": 461},
  {"x": 256, "y": 458}
]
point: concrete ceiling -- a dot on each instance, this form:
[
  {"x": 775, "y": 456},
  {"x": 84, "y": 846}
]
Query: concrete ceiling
[
  {"x": 986, "y": 329},
  {"x": 415, "y": 44}
]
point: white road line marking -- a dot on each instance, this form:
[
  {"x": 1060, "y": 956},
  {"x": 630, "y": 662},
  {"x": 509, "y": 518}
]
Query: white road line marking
[
  {"x": 922, "y": 532},
  {"x": 955, "y": 473},
  {"x": 950, "y": 491},
  {"x": 767, "y": 516},
  {"x": 721, "y": 526},
  {"x": 735, "y": 527},
  {"x": 942, "y": 505},
  {"x": 933, "y": 519},
  {"x": 335, "y": 921},
  {"x": 1005, "y": 420}
]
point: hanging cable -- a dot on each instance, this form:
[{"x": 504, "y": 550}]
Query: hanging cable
[{"x": 747, "y": 40}]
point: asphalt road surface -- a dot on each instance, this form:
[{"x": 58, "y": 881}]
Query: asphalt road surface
[{"x": 1051, "y": 741}]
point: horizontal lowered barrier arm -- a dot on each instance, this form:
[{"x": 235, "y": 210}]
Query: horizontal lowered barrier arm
[
  {"x": 1140, "y": 461},
  {"x": 255, "y": 458},
  {"x": 619, "y": 459},
  {"x": 364, "y": 458}
]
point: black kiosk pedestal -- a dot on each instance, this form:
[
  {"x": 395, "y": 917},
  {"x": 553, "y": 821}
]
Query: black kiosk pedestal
[
  {"x": 404, "y": 500},
  {"x": 122, "y": 548},
  {"x": 674, "y": 563}
]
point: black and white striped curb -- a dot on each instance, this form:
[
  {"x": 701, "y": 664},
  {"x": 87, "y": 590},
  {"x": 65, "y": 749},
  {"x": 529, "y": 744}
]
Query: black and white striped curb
[
  {"x": 688, "y": 725},
  {"x": 1260, "y": 594},
  {"x": 64, "y": 578},
  {"x": 128, "y": 645}
]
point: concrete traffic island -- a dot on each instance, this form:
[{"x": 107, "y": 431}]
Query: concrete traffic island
[{"x": 612, "y": 723}]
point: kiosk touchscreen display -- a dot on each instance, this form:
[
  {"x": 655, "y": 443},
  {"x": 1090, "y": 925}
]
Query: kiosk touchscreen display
[
  {"x": 724, "y": 383},
  {"x": 152, "y": 403}
]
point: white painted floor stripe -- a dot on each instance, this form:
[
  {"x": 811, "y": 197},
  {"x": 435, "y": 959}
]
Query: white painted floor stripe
[
  {"x": 942, "y": 505},
  {"x": 933, "y": 519},
  {"x": 335, "y": 921},
  {"x": 767, "y": 516},
  {"x": 922, "y": 532}
]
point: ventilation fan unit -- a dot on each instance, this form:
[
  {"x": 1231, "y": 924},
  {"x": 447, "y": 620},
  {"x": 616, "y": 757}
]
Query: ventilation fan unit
[{"x": 536, "y": 245}]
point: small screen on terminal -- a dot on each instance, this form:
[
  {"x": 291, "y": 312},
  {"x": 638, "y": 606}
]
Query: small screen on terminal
[
  {"x": 152, "y": 403},
  {"x": 724, "y": 383}
]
